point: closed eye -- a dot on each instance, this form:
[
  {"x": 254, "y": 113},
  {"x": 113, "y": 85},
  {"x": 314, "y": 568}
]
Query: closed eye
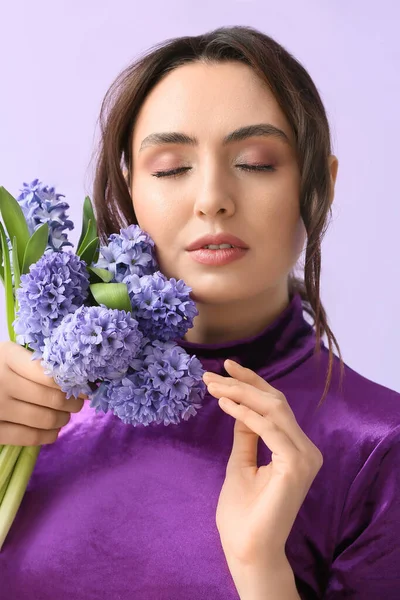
[
  {"x": 181, "y": 170},
  {"x": 256, "y": 167},
  {"x": 171, "y": 173}
]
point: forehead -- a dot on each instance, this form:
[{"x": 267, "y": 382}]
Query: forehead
[{"x": 208, "y": 100}]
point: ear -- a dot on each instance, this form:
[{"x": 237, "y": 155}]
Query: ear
[{"x": 333, "y": 169}]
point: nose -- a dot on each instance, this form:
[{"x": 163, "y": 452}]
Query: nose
[{"x": 214, "y": 196}]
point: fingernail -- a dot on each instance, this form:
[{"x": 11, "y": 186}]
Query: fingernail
[{"x": 212, "y": 386}]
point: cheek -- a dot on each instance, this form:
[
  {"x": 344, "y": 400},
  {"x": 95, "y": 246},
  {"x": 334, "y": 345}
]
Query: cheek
[
  {"x": 156, "y": 215},
  {"x": 283, "y": 232},
  {"x": 153, "y": 213}
]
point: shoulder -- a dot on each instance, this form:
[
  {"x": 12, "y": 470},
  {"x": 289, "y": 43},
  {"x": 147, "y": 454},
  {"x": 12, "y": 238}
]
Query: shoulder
[
  {"x": 355, "y": 497},
  {"x": 352, "y": 398},
  {"x": 372, "y": 405},
  {"x": 361, "y": 423},
  {"x": 366, "y": 385},
  {"x": 358, "y": 416}
]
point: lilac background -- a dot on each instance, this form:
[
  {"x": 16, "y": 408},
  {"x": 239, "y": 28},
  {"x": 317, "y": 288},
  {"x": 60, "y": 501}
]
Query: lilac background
[{"x": 58, "y": 59}]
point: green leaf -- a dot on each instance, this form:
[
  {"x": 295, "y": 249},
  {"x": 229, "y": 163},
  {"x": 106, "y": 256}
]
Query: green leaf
[
  {"x": 10, "y": 308},
  {"x": 86, "y": 240},
  {"x": 1, "y": 265},
  {"x": 15, "y": 264},
  {"x": 95, "y": 257},
  {"x": 14, "y": 220},
  {"x": 17, "y": 273},
  {"x": 102, "y": 274},
  {"x": 35, "y": 247},
  {"x": 89, "y": 253},
  {"x": 112, "y": 295},
  {"x": 89, "y": 226}
]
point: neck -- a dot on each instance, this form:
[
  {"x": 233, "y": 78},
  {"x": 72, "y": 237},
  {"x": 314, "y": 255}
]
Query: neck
[{"x": 219, "y": 323}]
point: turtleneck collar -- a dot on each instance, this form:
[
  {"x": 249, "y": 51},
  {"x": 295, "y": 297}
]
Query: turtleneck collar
[{"x": 277, "y": 349}]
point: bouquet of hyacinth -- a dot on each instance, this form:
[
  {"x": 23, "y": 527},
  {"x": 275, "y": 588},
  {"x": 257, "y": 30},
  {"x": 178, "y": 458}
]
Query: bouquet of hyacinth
[{"x": 103, "y": 321}]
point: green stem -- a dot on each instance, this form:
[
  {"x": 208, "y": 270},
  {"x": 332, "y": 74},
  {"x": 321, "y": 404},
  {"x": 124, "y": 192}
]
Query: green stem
[
  {"x": 8, "y": 458},
  {"x": 16, "y": 489},
  {"x": 4, "y": 488}
]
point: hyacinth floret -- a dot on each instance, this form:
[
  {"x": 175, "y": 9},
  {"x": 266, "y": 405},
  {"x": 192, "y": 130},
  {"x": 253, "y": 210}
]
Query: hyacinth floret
[
  {"x": 130, "y": 252},
  {"x": 93, "y": 344},
  {"x": 41, "y": 204},
  {"x": 162, "y": 306},
  {"x": 164, "y": 385},
  {"x": 56, "y": 285}
]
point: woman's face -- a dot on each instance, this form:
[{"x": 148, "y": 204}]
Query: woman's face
[{"x": 217, "y": 187}]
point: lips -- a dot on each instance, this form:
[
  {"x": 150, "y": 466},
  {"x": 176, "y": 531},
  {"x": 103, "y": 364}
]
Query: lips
[{"x": 216, "y": 240}]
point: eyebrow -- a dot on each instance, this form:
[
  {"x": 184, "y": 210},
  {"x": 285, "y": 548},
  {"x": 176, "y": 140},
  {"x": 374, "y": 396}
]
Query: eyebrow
[{"x": 243, "y": 133}]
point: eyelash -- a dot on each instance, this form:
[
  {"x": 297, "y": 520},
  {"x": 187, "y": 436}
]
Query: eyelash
[{"x": 181, "y": 170}]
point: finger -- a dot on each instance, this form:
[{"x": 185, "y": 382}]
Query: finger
[
  {"x": 31, "y": 415},
  {"x": 265, "y": 405},
  {"x": 243, "y": 393},
  {"x": 25, "y": 389},
  {"x": 263, "y": 401},
  {"x": 245, "y": 375},
  {"x": 274, "y": 438},
  {"x": 20, "y": 435},
  {"x": 20, "y": 361},
  {"x": 244, "y": 451},
  {"x": 248, "y": 376},
  {"x": 240, "y": 373}
]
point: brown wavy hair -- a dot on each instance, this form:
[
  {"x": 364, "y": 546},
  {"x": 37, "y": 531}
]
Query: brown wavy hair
[{"x": 298, "y": 98}]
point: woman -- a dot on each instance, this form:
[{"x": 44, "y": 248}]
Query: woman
[{"x": 286, "y": 484}]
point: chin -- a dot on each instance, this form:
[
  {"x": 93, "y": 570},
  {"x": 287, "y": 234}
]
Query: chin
[{"x": 218, "y": 294}]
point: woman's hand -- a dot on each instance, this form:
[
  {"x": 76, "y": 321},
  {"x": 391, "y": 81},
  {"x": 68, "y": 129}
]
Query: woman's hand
[
  {"x": 33, "y": 409},
  {"x": 258, "y": 505}
]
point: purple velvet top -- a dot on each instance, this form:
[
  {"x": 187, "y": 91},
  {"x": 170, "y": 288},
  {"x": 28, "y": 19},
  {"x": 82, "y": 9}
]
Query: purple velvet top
[{"x": 117, "y": 512}]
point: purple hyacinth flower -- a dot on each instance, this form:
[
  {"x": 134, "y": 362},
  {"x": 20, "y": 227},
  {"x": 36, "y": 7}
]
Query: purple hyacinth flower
[
  {"x": 56, "y": 285},
  {"x": 93, "y": 344},
  {"x": 130, "y": 252},
  {"x": 163, "y": 385},
  {"x": 162, "y": 306},
  {"x": 41, "y": 204}
]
